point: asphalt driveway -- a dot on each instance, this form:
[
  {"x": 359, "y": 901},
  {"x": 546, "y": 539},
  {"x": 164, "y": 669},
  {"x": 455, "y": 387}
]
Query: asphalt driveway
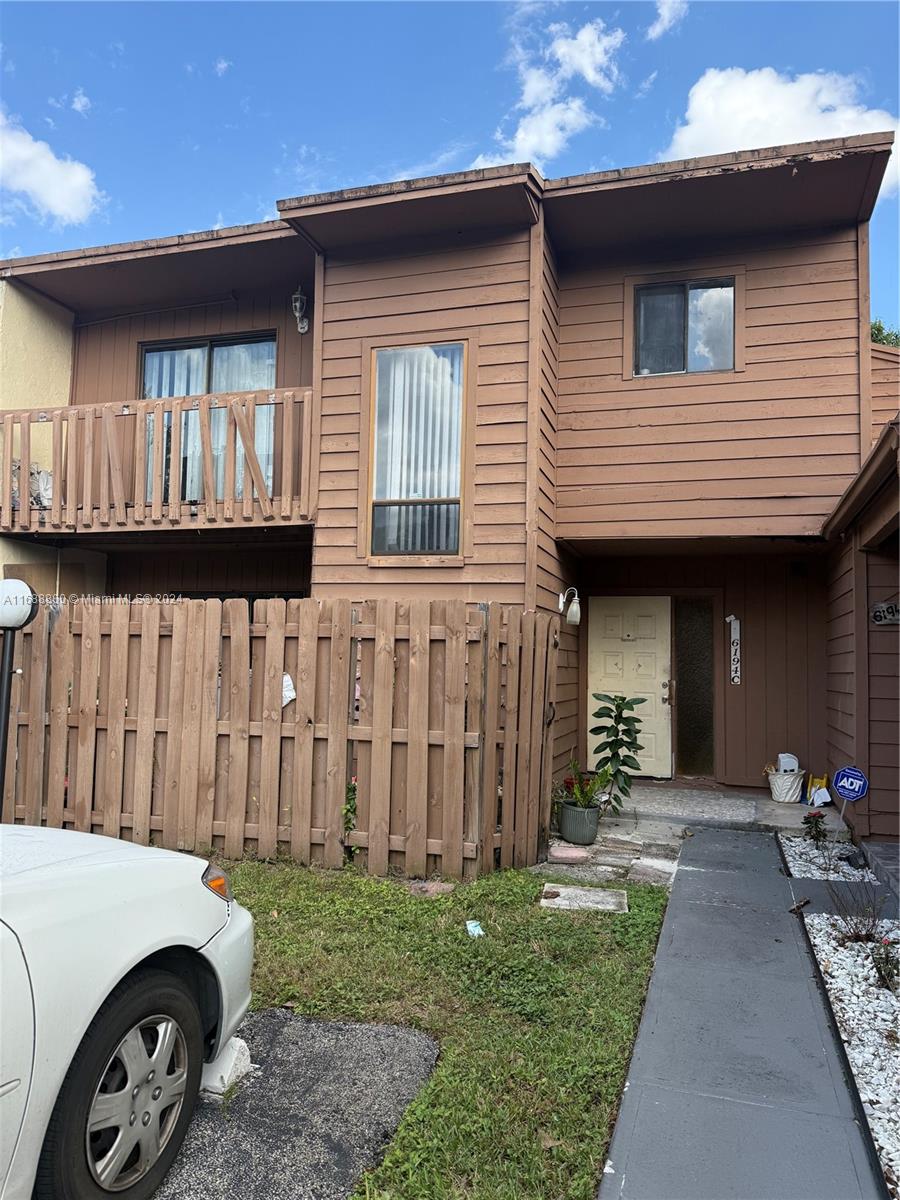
[{"x": 319, "y": 1109}]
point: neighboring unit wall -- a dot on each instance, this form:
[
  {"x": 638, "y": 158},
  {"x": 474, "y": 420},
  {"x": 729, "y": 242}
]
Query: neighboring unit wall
[
  {"x": 35, "y": 350},
  {"x": 779, "y": 704},
  {"x": 481, "y": 283},
  {"x": 885, "y": 386},
  {"x": 863, "y": 705},
  {"x": 210, "y": 569},
  {"x": 107, "y": 353},
  {"x": 766, "y": 450}
]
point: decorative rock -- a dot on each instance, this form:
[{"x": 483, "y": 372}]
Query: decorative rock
[
  {"x": 430, "y": 887},
  {"x": 598, "y": 899},
  {"x": 569, "y": 854}
]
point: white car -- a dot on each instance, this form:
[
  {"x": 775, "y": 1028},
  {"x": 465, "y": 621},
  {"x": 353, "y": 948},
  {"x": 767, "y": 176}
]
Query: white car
[{"x": 123, "y": 970}]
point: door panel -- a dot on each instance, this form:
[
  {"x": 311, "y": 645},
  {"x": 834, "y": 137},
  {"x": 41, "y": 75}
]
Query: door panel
[{"x": 630, "y": 654}]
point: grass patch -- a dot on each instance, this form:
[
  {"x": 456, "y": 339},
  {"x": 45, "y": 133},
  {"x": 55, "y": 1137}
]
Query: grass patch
[{"x": 535, "y": 1020}]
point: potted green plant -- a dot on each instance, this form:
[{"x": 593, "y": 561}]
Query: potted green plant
[
  {"x": 587, "y": 798},
  {"x": 619, "y": 745}
]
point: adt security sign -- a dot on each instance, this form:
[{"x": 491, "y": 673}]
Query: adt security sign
[{"x": 850, "y": 783}]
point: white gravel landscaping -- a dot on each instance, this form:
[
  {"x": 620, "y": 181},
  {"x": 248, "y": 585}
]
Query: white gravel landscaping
[
  {"x": 805, "y": 861},
  {"x": 868, "y": 1016}
]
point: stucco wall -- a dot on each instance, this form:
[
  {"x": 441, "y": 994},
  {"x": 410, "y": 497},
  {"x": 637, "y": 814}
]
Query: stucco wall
[{"x": 35, "y": 350}]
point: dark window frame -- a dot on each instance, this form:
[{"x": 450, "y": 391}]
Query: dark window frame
[
  {"x": 687, "y": 285},
  {"x": 202, "y": 343}
]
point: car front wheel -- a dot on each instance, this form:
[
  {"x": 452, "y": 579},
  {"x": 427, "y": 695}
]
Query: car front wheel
[{"x": 126, "y": 1102}]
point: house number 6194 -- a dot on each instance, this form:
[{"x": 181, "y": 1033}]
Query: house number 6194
[{"x": 734, "y": 649}]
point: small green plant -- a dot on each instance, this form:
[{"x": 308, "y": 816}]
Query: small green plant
[
  {"x": 587, "y": 790},
  {"x": 814, "y": 828},
  {"x": 349, "y": 813},
  {"x": 886, "y": 962},
  {"x": 619, "y": 745}
]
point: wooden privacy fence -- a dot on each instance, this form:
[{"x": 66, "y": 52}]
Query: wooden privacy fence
[{"x": 199, "y": 724}]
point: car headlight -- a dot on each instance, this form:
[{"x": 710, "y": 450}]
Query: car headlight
[{"x": 217, "y": 881}]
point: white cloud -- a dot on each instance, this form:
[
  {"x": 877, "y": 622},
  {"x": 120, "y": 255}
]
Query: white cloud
[
  {"x": 645, "y": 85},
  {"x": 668, "y": 15},
  {"x": 548, "y": 113},
  {"x": 49, "y": 121},
  {"x": 219, "y": 222},
  {"x": 81, "y": 103},
  {"x": 58, "y": 188},
  {"x": 734, "y": 109},
  {"x": 221, "y": 65}
]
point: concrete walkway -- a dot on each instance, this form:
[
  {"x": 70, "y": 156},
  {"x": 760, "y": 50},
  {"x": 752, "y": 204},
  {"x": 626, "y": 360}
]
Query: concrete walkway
[
  {"x": 736, "y": 1090},
  {"x": 720, "y": 807}
]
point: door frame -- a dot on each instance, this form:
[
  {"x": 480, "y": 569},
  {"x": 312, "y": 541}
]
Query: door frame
[{"x": 717, "y": 594}]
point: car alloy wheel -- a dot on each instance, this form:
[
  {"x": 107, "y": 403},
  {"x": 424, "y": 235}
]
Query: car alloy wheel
[{"x": 137, "y": 1103}]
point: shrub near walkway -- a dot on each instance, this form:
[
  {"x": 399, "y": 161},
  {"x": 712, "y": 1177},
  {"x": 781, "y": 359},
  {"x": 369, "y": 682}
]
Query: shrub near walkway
[{"x": 535, "y": 1020}]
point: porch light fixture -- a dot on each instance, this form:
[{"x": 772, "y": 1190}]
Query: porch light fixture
[
  {"x": 573, "y": 616},
  {"x": 298, "y": 307}
]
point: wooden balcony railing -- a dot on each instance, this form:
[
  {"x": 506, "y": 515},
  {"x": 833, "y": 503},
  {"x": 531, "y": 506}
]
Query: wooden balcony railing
[{"x": 199, "y": 461}]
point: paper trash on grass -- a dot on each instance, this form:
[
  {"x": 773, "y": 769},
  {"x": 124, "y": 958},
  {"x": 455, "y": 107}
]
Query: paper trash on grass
[{"x": 473, "y": 928}]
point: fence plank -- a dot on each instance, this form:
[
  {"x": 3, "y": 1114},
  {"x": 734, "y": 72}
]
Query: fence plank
[
  {"x": 417, "y": 761},
  {"x": 87, "y": 469},
  {"x": 139, "y": 484},
  {"x": 87, "y": 712},
  {"x": 510, "y": 739},
  {"x": 190, "y": 685},
  {"x": 338, "y": 743},
  {"x": 492, "y": 674},
  {"x": 536, "y": 740},
  {"x": 6, "y": 507},
  {"x": 145, "y": 738},
  {"x": 36, "y": 653},
  {"x": 105, "y": 438},
  {"x": 172, "y": 772},
  {"x": 159, "y": 458},
  {"x": 237, "y": 618},
  {"x": 116, "y": 699},
  {"x": 61, "y": 652},
  {"x": 304, "y": 728},
  {"x": 271, "y": 730},
  {"x": 209, "y": 703},
  {"x": 286, "y": 408},
  {"x": 382, "y": 724},
  {"x": 454, "y": 741},
  {"x": 175, "y": 464},
  {"x": 549, "y": 720},
  {"x": 209, "y": 474},
  {"x": 11, "y": 781},
  {"x": 523, "y": 776},
  {"x": 474, "y": 706}
]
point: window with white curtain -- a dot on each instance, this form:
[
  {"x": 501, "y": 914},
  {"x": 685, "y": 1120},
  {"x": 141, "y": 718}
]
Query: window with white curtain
[
  {"x": 417, "y": 459},
  {"x": 197, "y": 370}
]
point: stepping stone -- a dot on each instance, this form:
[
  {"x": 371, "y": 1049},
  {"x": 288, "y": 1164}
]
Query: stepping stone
[
  {"x": 599, "y": 899},
  {"x": 569, "y": 854},
  {"x": 652, "y": 870}
]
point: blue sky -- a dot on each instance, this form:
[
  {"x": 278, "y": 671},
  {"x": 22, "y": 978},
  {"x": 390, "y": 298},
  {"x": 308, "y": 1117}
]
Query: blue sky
[{"x": 124, "y": 121}]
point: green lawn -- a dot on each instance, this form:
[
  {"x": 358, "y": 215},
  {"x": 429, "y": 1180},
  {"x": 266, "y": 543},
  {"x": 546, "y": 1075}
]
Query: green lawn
[{"x": 535, "y": 1020}]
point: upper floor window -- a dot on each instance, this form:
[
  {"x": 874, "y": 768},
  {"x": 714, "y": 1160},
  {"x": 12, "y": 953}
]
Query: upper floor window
[
  {"x": 196, "y": 370},
  {"x": 235, "y": 365},
  {"x": 417, "y": 455},
  {"x": 684, "y": 327}
]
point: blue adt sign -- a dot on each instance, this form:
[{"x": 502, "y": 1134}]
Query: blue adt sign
[{"x": 850, "y": 783}]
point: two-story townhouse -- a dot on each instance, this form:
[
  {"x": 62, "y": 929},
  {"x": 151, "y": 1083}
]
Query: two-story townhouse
[{"x": 651, "y": 385}]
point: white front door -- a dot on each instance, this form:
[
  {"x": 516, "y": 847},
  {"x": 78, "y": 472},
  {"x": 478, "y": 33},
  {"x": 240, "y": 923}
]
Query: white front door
[{"x": 630, "y": 654}]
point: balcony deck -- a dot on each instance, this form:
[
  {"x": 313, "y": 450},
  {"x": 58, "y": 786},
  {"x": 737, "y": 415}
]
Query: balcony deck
[{"x": 194, "y": 462}]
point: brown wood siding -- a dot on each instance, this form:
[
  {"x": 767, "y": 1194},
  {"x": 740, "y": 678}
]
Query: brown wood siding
[
  {"x": 885, "y": 386},
  {"x": 842, "y": 635},
  {"x": 481, "y": 283},
  {"x": 780, "y": 703},
  {"x": 884, "y": 697},
  {"x": 107, "y": 354},
  {"x": 205, "y": 571},
  {"x": 765, "y": 451}
]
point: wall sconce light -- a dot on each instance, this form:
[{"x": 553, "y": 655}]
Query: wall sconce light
[
  {"x": 298, "y": 306},
  {"x": 573, "y": 616}
]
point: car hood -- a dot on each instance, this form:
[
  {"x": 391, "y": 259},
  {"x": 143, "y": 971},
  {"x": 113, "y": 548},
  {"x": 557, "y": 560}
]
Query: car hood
[{"x": 25, "y": 848}]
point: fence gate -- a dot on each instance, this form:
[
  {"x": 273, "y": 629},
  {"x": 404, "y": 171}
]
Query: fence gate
[{"x": 415, "y": 736}]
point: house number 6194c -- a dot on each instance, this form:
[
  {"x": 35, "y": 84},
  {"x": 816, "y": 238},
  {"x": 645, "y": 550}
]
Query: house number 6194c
[{"x": 734, "y": 649}]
